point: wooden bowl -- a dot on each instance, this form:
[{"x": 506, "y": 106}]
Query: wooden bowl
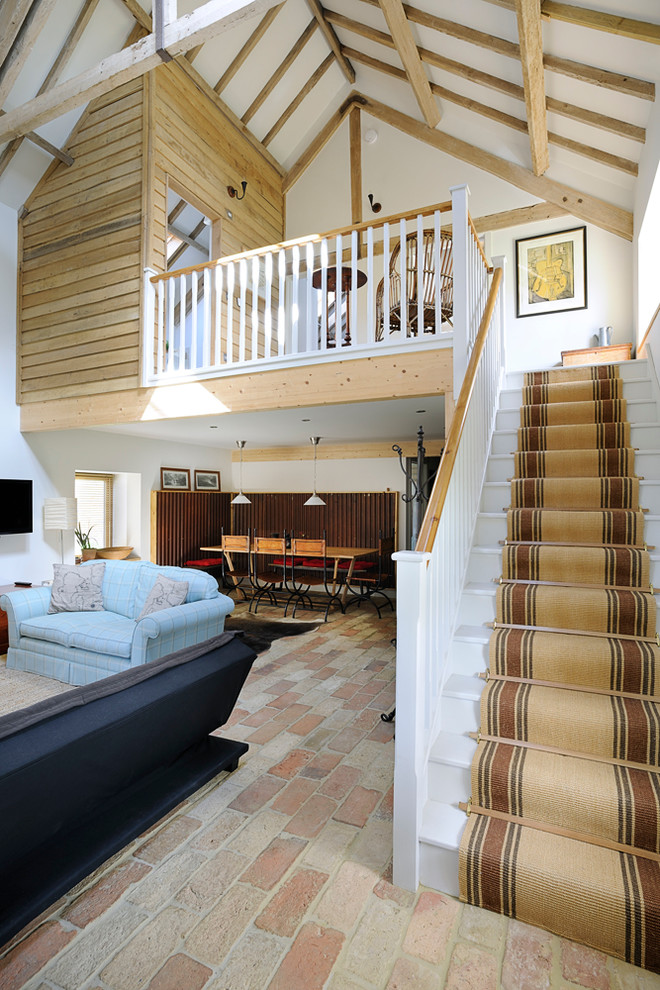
[{"x": 113, "y": 553}]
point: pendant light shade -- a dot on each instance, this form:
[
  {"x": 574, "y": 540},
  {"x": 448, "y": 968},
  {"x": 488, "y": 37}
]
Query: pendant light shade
[
  {"x": 240, "y": 499},
  {"x": 314, "y": 499}
]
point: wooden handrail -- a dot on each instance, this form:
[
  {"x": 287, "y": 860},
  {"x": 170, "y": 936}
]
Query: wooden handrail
[
  {"x": 307, "y": 239},
  {"x": 640, "y": 349},
  {"x": 431, "y": 520},
  {"x": 479, "y": 244}
]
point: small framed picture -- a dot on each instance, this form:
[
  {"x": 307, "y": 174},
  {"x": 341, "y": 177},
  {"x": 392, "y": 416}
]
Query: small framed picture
[
  {"x": 175, "y": 479},
  {"x": 207, "y": 481},
  {"x": 551, "y": 272}
]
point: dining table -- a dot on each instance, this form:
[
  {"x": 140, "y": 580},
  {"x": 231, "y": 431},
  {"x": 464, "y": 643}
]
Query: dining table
[{"x": 333, "y": 555}]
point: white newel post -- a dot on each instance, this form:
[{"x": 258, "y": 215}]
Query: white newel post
[
  {"x": 148, "y": 325},
  {"x": 409, "y": 747},
  {"x": 459, "y": 221}
]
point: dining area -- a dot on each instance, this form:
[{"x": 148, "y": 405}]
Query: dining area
[{"x": 276, "y": 552}]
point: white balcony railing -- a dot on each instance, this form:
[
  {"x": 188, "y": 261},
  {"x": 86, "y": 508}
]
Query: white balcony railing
[{"x": 278, "y": 304}]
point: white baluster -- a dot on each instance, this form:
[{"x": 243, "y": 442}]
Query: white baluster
[
  {"x": 420, "y": 276},
  {"x": 403, "y": 262},
  {"x": 352, "y": 295},
  {"x": 459, "y": 218},
  {"x": 206, "y": 299},
  {"x": 437, "y": 269},
  {"x": 324, "y": 295},
  {"x": 371, "y": 327},
  {"x": 231, "y": 275},
  {"x": 311, "y": 322},
  {"x": 217, "y": 349},
  {"x": 160, "y": 359},
  {"x": 242, "y": 285},
  {"x": 193, "y": 322},
  {"x": 386, "y": 281},
  {"x": 339, "y": 261},
  {"x": 295, "y": 310},
  {"x": 181, "y": 363},
  {"x": 255, "y": 307},
  {"x": 281, "y": 303},
  {"x": 268, "y": 315},
  {"x": 170, "y": 286}
]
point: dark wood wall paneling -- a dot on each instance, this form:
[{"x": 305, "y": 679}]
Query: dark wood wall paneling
[{"x": 186, "y": 521}]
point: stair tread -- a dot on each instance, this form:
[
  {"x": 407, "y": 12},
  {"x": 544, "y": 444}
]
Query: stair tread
[
  {"x": 472, "y": 634},
  {"x": 442, "y": 824}
]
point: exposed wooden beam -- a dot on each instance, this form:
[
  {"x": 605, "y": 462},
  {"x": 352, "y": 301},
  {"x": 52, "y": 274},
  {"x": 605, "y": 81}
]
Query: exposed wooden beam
[
  {"x": 176, "y": 211},
  {"x": 186, "y": 32},
  {"x": 626, "y": 27},
  {"x": 23, "y": 43},
  {"x": 12, "y": 16},
  {"x": 338, "y": 451},
  {"x": 516, "y": 123},
  {"x": 318, "y": 143},
  {"x": 516, "y": 218},
  {"x": 299, "y": 97},
  {"x": 406, "y": 46},
  {"x": 528, "y": 14},
  {"x": 616, "y": 81},
  {"x": 247, "y": 48},
  {"x": 355, "y": 154},
  {"x": 139, "y": 13},
  {"x": 593, "y": 119},
  {"x": 600, "y": 213},
  {"x": 282, "y": 68},
  {"x": 332, "y": 39},
  {"x": 189, "y": 240}
]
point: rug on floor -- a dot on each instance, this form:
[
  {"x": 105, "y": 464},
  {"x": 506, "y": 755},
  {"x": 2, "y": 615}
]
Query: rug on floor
[{"x": 259, "y": 633}]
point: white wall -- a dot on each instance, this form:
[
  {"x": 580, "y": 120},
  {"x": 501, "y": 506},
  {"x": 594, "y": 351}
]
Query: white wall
[
  {"x": 537, "y": 341},
  {"x": 51, "y": 459},
  {"x": 647, "y": 222}
]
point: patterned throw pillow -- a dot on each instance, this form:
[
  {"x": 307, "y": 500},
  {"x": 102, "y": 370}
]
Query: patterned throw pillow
[
  {"x": 77, "y": 589},
  {"x": 164, "y": 594}
]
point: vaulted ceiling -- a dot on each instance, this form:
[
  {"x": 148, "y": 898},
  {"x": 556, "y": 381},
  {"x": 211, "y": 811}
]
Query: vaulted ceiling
[{"x": 554, "y": 97}]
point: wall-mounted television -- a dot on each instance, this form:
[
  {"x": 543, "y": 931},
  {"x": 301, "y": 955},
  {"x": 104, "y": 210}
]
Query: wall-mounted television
[{"x": 15, "y": 506}]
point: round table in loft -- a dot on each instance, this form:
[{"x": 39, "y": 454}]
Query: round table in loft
[{"x": 346, "y": 284}]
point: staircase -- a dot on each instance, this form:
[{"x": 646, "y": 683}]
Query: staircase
[{"x": 449, "y": 772}]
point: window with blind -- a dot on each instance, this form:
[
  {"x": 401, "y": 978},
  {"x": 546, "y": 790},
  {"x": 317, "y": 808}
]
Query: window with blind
[{"x": 94, "y": 495}]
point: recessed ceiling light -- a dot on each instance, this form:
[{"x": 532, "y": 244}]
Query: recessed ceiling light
[
  {"x": 213, "y": 427},
  {"x": 420, "y": 411},
  {"x": 305, "y": 420}
]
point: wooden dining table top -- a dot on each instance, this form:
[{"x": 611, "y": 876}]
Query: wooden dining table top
[{"x": 336, "y": 553}]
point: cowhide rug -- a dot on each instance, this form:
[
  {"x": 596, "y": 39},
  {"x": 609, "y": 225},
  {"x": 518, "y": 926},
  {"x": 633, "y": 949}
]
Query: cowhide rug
[{"x": 259, "y": 633}]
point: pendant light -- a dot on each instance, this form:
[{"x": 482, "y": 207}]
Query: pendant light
[
  {"x": 240, "y": 499},
  {"x": 314, "y": 499}
]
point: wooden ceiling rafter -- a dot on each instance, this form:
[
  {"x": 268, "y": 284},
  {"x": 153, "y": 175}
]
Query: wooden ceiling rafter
[
  {"x": 406, "y": 46},
  {"x": 599, "y": 20},
  {"x": 188, "y": 240},
  {"x": 22, "y": 44},
  {"x": 247, "y": 48},
  {"x": 616, "y": 81},
  {"x": 332, "y": 39},
  {"x": 316, "y": 76},
  {"x": 130, "y": 63},
  {"x": 516, "y": 123},
  {"x": 281, "y": 70},
  {"x": 530, "y": 35},
  {"x": 601, "y": 121}
]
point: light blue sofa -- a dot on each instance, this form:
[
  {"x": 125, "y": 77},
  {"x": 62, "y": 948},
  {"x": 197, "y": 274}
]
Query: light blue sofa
[{"x": 81, "y": 647}]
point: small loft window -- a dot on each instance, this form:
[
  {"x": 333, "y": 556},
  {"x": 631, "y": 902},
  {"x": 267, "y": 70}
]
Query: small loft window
[{"x": 94, "y": 494}]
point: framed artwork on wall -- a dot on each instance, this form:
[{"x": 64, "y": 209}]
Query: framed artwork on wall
[
  {"x": 207, "y": 481},
  {"x": 175, "y": 479},
  {"x": 551, "y": 272}
]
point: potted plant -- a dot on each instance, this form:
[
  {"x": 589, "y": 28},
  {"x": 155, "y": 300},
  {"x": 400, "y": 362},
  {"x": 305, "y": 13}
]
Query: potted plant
[{"x": 84, "y": 542}]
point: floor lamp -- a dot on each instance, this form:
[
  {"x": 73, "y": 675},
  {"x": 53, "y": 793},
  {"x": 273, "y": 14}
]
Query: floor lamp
[{"x": 60, "y": 513}]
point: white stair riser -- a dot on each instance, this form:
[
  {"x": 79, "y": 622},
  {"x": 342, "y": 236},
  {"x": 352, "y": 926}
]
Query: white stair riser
[
  {"x": 476, "y": 610},
  {"x": 511, "y": 397},
  {"x": 627, "y": 370},
  {"x": 468, "y": 658},
  {"x": 438, "y": 868},
  {"x": 644, "y": 437},
  {"x": 461, "y": 714},
  {"x": 497, "y": 496},
  {"x": 488, "y": 567},
  {"x": 448, "y": 783},
  {"x": 647, "y": 465},
  {"x": 638, "y": 412}
]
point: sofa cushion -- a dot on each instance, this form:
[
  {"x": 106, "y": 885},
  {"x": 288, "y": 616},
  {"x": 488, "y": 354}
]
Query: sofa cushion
[
  {"x": 200, "y": 584},
  {"x": 164, "y": 594},
  {"x": 104, "y": 632},
  {"x": 120, "y": 585},
  {"x": 76, "y": 589}
]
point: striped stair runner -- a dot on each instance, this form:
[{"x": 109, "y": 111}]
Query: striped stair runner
[{"x": 563, "y": 829}]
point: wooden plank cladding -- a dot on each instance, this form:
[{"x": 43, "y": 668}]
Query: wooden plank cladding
[
  {"x": 80, "y": 271},
  {"x": 182, "y": 522},
  {"x": 90, "y": 229}
]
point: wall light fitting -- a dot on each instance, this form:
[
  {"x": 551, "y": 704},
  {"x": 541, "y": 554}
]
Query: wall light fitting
[
  {"x": 233, "y": 192},
  {"x": 376, "y": 207}
]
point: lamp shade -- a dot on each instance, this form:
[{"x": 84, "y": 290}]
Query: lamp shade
[
  {"x": 60, "y": 513},
  {"x": 240, "y": 499}
]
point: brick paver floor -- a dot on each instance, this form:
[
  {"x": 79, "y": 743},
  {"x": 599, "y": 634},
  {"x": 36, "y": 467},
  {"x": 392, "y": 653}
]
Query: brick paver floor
[{"x": 278, "y": 876}]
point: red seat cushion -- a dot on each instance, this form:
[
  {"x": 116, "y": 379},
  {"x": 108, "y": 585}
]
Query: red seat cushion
[
  {"x": 313, "y": 562},
  {"x": 359, "y": 565},
  {"x": 205, "y": 562},
  {"x": 280, "y": 561}
]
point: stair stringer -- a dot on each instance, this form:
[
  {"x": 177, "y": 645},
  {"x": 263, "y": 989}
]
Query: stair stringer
[{"x": 451, "y": 753}]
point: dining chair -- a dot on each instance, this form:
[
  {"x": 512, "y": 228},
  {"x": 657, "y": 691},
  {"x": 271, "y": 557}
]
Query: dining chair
[
  {"x": 436, "y": 270},
  {"x": 268, "y": 576},
  {"x": 311, "y": 572},
  {"x": 236, "y": 575},
  {"x": 371, "y": 584}
]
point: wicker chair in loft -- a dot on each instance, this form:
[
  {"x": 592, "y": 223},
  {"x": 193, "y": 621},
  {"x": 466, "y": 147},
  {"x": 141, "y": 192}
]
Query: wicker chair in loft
[{"x": 437, "y": 284}]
